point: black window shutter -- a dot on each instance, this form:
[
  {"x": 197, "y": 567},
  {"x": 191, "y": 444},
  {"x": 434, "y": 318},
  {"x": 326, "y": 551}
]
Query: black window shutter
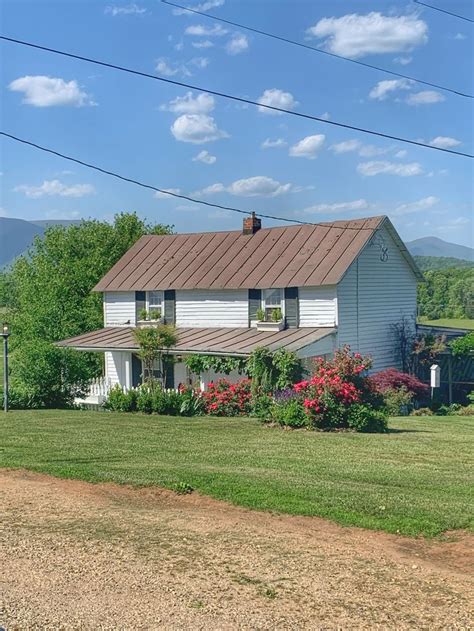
[
  {"x": 140, "y": 302},
  {"x": 255, "y": 302},
  {"x": 170, "y": 306},
  {"x": 168, "y": 369},
  {"x": 291, "y": 307}
]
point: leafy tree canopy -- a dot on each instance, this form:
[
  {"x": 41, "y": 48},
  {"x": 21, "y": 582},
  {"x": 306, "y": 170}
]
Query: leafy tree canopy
[
  {"x": 48, "y": 297},
  {"x": 447, "y": 294}
]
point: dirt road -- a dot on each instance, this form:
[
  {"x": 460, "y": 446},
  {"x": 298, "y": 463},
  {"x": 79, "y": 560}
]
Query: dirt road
[{"x": 80, "y": 556}]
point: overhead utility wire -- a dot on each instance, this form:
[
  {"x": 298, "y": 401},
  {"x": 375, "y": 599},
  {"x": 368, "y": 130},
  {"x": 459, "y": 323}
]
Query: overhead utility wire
[
  {"x": 235, "y": 98},
  {"x": 316, "y": 49},
  {"x": 143, "y": 184},
  {"x": 430, "y": 6}
]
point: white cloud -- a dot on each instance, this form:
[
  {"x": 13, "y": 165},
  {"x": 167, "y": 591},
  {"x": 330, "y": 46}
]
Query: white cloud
[
  {"x": 357, "y": 35},
  {"x": 345, "y": 146},
  {"x": 170, "y": 69},
  {"x": 63, "y": 214},
  {"x": 325, "y": 116},
  {"x": 365, "y": 151},
  {"x": 3, "y": 212},
  {"x": 237, "y": 44},
  {"x": 445, "y": 142},
  {"x": 197, "y": 129},
  {"x": 273, "y": 144},
  {"x": 384, "y": 88},
  {"x": 277, "y": 98},
  {"x": 200, "y": 62},
  {"x": 412, "y": 207},
  {"x": 459, "y": 36},
  {"x": 378, "y": 167},
  {"x": 205, "y": 43},
  {"x": 257, "y": 186},
  {"x": 425, "y": 97},
  {"x": 129, "y": 9},
  {"x": 42, "y": 91},
  {"x": 338, "y": 207},
  {"x": 401, "y": 154},
  {"x": 205, "y": 156},
  {"x": 403, "y": 61},
  {"x": 204, "y": 6},
  {"x": 198, "y": 30},
  {"x": 188, "y": 104},
  {"x": 308, "y": 147},
  {"x": 55, "y": 188},
  {"x": 158, "y": 195}
]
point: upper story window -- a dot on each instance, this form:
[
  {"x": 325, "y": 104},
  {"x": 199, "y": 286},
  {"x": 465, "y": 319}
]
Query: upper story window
[
  {"x": 272, "y": 299},
  {"x": 154, "y": 300}
]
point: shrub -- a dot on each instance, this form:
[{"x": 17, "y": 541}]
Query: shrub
[
  {"x": 120, "y": 401},
  {"x": 335, "y": 387},
  {"x": 397, "y": 402},
  {"x": 191, "y": 402},
  {"x": 468, "y": 410},
  {"x": 290, "y": 413},
  {"x": 422, "y": 412},
  {"x": 261, "y": 406},
  {"x": 226, "y": 399},
  {"x": 145, "y": 400},
  {"x": 393, "y": 379},
  {"x": 463, "y": 346},
  {"x": 363, "y": 418}
]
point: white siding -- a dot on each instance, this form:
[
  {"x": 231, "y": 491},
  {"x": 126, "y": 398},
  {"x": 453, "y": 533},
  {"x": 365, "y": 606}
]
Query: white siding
[
  {"x": 317, "y": 306},
  {"x": 325, "y": 346},
  {"x": 212, "y": 308},
  {"x": 117, "y": 367},
  {"x": 371, "y": 297},
  {"x": 209, "y": 375},
  {"x": 119, "y": 308}
]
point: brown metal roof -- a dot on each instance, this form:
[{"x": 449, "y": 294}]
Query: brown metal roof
[
  {"x": 293, "y": 256},
  {"x": 241, "y": 341}
]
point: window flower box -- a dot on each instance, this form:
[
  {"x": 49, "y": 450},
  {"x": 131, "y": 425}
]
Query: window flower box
[{"x": 270, "y": 326}]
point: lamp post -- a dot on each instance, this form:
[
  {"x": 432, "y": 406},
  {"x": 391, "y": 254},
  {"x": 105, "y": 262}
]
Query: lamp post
[{"x": 5, "y": 334}]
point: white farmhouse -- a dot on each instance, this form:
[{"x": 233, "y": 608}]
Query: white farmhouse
[{"x": 343, "y": 282}]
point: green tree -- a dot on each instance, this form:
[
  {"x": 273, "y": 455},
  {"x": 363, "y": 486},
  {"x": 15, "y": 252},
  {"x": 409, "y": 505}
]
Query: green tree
[
  {"x": 49, "y": 291},
  {"x": 447, "y": 294},
  {"x": 153, "y": 340}
]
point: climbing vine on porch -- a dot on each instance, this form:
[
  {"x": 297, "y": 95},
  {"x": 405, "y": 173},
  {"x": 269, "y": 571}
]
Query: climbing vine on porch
[{"x": 201, "y": 363}]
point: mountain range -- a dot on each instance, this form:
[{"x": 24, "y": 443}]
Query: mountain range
[{"x": 17, "y": 235}]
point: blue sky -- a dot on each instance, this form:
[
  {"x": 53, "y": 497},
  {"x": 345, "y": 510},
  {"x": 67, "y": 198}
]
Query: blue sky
[{"x": 227, "y": 153}]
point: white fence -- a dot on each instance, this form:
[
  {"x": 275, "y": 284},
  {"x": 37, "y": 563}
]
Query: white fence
[{"x": 99, "y": 390}]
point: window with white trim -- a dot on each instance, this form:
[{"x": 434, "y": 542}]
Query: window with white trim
[
  {"x": 154, "y": 303},
  {"x": 272, "y": 299}
]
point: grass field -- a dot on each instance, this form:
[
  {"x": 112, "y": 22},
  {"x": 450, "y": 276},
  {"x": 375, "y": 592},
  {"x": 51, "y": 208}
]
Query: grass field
[
  {"x": 417, "y": 479},
  {"x": 460, "y": 323}
]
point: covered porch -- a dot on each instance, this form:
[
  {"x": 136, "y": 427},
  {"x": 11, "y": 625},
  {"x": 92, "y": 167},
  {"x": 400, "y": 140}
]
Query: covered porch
[{"x": 124, "y": 367}]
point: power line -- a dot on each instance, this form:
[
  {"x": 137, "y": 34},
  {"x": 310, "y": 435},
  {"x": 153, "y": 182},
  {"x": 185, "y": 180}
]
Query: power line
[
  {"x": 236, "y": 98},
  {"x": 430, "y": 6},
  {"x": 315, "y": 49},
  {"x": 143, "y": 184}
]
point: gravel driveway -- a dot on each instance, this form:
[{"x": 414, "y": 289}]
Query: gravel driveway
[{"x": 82, "y": 556}]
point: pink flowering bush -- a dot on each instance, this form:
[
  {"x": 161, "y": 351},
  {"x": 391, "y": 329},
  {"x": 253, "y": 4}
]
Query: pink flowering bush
[
  {"x": 339, "y": 395},
  {"x": 227, "y": 399}
]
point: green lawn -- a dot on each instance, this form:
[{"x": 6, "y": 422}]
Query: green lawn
[
  {"x": 459, "y": 323},
  {"x": 417, "y": 479}
]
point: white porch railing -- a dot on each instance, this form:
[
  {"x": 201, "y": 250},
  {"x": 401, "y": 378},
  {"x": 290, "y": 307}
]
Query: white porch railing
[{"x": 98, "y": 392}]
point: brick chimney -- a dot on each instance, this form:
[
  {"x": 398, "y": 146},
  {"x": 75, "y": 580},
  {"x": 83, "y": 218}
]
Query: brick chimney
[{"x": 251, "y": 224}]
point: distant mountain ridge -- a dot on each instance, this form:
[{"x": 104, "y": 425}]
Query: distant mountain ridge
[
  {"x": 17, "y": 235},
  {"x": 433, "y": 246}
]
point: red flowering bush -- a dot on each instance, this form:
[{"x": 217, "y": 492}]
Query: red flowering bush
[
  {"x": 228, "y": 399},
  {"x": 393, "y": 379},
  {"x": 340, "y": 395}
]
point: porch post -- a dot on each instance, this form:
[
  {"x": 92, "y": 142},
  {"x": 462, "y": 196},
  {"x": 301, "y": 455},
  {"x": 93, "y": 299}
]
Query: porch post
[{"x": 128, "y": 371}]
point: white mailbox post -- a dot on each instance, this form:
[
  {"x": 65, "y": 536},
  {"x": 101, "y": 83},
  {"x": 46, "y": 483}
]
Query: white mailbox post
[{"x": 435, "y": 371}]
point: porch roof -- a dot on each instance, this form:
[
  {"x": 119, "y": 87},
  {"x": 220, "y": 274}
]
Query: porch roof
[{"x": 219, "y": 341}]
